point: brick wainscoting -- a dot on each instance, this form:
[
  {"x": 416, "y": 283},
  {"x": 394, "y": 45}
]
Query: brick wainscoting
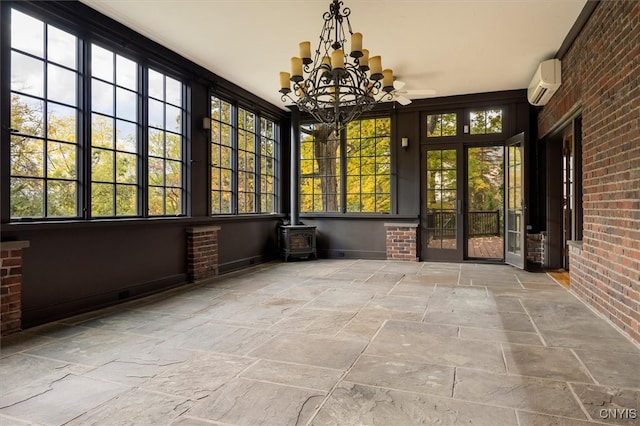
[
  {"x": 11, "y": 286},
  {"x": 202, "y": 252},
  {"x": 401, "y": 241},
  {"x": 535, "y": 248}
]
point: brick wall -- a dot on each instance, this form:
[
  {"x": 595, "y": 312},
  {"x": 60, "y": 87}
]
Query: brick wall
[
  {"x": 202, "y": 252},
  {"x": 401, "y": 241},
  {"x": 11, "y": 286},
  {"x": 601, "y": 72}
]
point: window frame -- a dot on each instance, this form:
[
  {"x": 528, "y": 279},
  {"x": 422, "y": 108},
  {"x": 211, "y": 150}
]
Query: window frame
[
  {"x": 88, "y": 32},
  {"x": 8, "y": 49},
  {"x": 256, "y": 135},
  {"x": 342, "y": 174},
  {"x": 464, "y": 123}
]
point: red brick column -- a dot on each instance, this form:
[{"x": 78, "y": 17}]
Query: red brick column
[
  {"x": 401, "y": 241},
  {"x": 535, "y": 248},
  {"x": 202, "y": 252},
  {"x": 11, "y": 286}
]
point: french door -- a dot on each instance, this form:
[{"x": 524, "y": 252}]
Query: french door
[
  {"x": 516, "y": 208},
  {"x": 463, "y": 202}
]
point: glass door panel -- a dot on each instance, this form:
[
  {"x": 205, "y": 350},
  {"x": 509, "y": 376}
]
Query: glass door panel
[
  {"x": 514, "y": 224},
  {"x": 441, "y": 236},
  {"x": 485, "y": 202}
]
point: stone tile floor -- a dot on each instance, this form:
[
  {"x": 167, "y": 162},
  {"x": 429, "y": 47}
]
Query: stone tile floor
[{"x": 330, "y": 342}]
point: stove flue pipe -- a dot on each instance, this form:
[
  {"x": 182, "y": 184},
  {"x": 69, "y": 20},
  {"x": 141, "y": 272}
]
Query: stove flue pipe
[{"x": 295, "y": 166}]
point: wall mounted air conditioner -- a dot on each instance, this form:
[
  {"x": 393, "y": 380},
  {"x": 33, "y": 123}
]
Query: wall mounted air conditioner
[{"x": 544, "y": 83}]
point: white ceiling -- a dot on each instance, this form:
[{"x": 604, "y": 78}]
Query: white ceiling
[{"x": 452, "y": 46}]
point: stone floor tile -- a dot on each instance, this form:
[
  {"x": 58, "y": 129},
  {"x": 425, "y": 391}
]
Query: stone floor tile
[
  {"x": 368, "y": 321},
  {"x": 398, "y": 303},
  {"x": 608, "y": 404},
  {"x": 598, "y": 341},
  {"x": 19, "y": 370},
  {"x": 354, "y": 404},
  {"x": 567, "y": 317},
  {"x": 320, "y": 351},
  {"x": 406, "y": 268},
  {"x": 525, "y": 393},
  {"x": 146, "y": 323},
  {"x": 547, "y": 363},
  {"x": 198, "y": 376},
  {"x": 346, "y": 299},
  {"x": 315, "y": 321},
  {"x": 543, "y": 295},
  {"x": 186, "y": 420},
  {"x": 249, "y": 402},
  {"x": 59, "y": 401},
  {"x": 223, "y": 338},
  {"x": 439, "y": 277},
  {"x": 179, "y": 305},
  {"x": 136, "y": 407},
  {"x": 303, "y": 291},
  {"x": 403, "y": 375},
  {"x": 305, "y": 376},
  {"x": 486, "y": 334},
  {"x": 613, "y": 368},
  {"x": 476, "y": 303},
  {"x": 21, "y": 342},
  {"x": 92, "y": 347},
  {"x": 508, "y": 321},
  {"x": 535, "y": 419},
  {"x": 409, "y": 341},
  {"x": 385, "y": 276},
  {"x": 412, "y": 288},
  {"x": 134, "y": 368},
  {"x": 12, "y": 421}
]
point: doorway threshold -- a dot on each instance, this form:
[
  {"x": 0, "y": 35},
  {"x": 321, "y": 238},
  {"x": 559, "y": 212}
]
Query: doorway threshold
[{"x": 561, "y": 277}]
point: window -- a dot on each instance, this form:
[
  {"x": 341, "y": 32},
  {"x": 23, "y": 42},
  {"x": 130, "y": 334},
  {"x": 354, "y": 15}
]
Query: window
[
  {"x": 71, "y": 129},
  {"x": 246, "y": 161},
  {"x": 366, "y": 153},
  {"x": 369, "y": 165},
  {"x": 442, "y": 125},
  {"x": 114, "y": 134},
  {"x": 486, "y": 121},
  {"x": 243, "y": 160},
  {"x": 319, "y": 169},
  {"x": 221, "y": 159},
  {"x": 44, "y": 119},
  {"x": 165, "y": 133},
  {"x": 268, "y": 165}
]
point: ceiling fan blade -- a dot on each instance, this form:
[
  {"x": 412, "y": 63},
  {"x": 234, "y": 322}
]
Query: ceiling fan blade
[
  {"x": 421, "y": 92},
  {"x": 398, "y": 84},
  {"x": 402, "y": 100}
]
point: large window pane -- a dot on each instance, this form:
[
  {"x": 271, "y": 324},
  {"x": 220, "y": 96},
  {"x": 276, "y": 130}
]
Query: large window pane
[
  {"x": 27, "y": 74},
  {"x": 369, "y": 165},
  {"x": 44, "y": 116},
  {"x": 221, "y": 171},
  {"x": 165, "y": 145},
  {"x": 61, "y": 84},
  {"x": 486, "y": 121},
  {"x": 319, "y": 169},
  {"x": 27, "y": 33}
]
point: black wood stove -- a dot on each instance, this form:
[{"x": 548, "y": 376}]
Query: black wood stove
[{"x": 298, "y": 241}]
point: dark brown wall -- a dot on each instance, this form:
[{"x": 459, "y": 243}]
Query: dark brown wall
[{"x": 601, "y": 74}]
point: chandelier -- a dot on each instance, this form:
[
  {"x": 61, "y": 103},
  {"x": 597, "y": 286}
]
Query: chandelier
[{"x": 336, "y": 86}]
